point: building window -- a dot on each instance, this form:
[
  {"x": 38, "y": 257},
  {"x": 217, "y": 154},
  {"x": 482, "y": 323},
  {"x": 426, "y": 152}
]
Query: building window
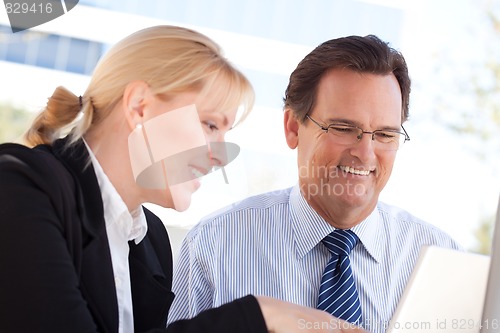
[{"x": 49, "y": 50}]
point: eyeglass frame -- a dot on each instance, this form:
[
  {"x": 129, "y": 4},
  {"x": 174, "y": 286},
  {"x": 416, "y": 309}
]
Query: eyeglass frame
[{"x": 360, "y": 136}]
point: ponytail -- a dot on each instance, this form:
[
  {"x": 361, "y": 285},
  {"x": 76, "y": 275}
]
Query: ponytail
[{"x": 62, "y": 110}]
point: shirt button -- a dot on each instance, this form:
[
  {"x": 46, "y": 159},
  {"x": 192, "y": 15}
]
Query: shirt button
[{"x": 118, "y": 282}]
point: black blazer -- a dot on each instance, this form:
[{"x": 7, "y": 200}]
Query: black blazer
[{"x": 55, "y": 265}]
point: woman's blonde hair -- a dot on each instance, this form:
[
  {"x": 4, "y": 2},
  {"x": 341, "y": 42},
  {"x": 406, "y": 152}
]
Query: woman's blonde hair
[{"x": 169, "y": 59}]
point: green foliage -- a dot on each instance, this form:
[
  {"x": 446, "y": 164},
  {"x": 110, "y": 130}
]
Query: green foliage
[
  {"x": 13, "y": 122},
  {"x": 472, "y": 79},
  {"x": 466, "y": 94},
  {"x": 484, "y": 233}
]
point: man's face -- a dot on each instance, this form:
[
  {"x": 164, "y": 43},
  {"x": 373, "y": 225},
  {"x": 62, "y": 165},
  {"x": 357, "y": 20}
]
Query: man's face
[{"x": 343, "y": 182}]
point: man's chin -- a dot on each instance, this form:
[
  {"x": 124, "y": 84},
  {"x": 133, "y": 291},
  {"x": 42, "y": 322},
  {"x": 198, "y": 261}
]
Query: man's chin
[{"x": 353, "y": 200}]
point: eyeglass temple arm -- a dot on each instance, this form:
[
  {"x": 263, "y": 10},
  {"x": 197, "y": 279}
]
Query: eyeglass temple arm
[
  {"x": 407, "y": 137},
  {"x": 314, "y": 121}
]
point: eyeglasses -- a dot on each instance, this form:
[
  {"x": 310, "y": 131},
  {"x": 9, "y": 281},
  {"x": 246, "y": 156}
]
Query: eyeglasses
[{"x": 349, "y": 135}]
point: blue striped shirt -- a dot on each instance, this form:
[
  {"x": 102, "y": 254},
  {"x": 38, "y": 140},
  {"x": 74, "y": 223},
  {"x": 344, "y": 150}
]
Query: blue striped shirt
[{"x": 270, "y": 244}]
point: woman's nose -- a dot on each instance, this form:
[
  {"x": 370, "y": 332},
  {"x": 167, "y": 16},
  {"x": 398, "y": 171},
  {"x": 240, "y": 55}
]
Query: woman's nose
[{"x": 218, "y": 153}]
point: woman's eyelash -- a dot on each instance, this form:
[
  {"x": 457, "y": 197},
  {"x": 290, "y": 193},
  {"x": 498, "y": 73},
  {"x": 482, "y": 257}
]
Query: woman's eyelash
[{"x": 211, "y": 126}]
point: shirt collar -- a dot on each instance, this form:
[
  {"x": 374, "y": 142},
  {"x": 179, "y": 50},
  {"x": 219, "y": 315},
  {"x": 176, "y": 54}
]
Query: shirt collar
[
  {"x": 131, "y": 226},
  {"x": 371, "y": 233},
  {"x": 310, "y": 228}
]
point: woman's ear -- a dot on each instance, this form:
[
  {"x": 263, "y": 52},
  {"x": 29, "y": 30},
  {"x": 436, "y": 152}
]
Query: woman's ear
[
  {"x": 291, "y": 129},
  {"x": 134, "y": 101}
]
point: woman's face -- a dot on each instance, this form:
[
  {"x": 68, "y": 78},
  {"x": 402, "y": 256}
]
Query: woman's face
[{"x": 184, "y": 136}]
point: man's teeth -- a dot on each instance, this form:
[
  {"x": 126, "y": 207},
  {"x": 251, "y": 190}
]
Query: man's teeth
[
  {"x": 197, "y": 173},
  {"x": 354, "y": 171}
]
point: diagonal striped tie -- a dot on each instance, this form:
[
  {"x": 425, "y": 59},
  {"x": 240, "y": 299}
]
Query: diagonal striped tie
[{"x": 338, "y": 294}]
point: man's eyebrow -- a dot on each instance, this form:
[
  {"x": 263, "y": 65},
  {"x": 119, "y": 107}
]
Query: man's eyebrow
[
  {"x": 344, "y": 121},
  {"x": 341, "y": 121}
]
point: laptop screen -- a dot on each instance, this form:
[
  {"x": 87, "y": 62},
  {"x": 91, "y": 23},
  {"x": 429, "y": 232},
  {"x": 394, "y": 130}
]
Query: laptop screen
[
  {"x": 444, "y": 294},
  {"x": 491, "y": 308},
  {"x": 452, "y": 291}
]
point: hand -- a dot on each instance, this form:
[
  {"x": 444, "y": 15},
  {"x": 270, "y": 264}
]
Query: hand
[{"x": 281, "y": 316}]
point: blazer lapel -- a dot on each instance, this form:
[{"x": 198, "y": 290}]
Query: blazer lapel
[
  {"x": 96, "y": 273},
  {"x": 151, "y": 276},
  {"x": 150, "y": 261}
]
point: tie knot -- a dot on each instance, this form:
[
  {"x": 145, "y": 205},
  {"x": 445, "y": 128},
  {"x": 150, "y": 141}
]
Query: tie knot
[{"x": 340, "y": 242}]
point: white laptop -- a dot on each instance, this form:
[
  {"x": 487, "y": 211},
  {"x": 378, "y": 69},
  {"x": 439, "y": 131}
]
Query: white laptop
[
  {"x": 452, "y": 292},
  {"x": 491, "y": 310}
]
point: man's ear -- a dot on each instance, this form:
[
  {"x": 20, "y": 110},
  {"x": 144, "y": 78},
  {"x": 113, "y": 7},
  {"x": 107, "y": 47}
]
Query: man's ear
[
  {"x": 291, "y": 129},
  {"x": 134, "y": 101}
]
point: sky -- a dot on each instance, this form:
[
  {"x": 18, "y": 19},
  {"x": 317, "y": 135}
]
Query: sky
[{"x": 449, "y": 179}]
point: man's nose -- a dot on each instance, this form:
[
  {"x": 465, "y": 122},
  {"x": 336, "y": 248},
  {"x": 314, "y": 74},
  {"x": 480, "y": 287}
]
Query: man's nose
[{"x": 364, "y": 149}]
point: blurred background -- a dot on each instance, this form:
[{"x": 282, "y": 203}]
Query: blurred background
[{"x": 448, "y": 174}]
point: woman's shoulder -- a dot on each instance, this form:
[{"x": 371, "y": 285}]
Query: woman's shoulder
[
  {"x": 38, "y": 164},
  {"x": 37, "y": 158},
  {"x": 11, "y": 150}
]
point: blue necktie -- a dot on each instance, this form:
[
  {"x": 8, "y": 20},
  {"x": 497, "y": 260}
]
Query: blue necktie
[{"x": 338, "y": 294}]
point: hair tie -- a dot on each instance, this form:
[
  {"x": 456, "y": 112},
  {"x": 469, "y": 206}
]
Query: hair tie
[{"x": 80, "y": 99}]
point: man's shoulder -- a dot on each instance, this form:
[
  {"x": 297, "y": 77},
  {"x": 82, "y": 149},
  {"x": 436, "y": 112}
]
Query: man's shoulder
[
  {"x": 246, "y": 210},
  {"x": 410, "y": 225},
  {"x": 391, "y": 213},
  {"x": 398, "y": 213},
  {"x": 263, "y": 201}
]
